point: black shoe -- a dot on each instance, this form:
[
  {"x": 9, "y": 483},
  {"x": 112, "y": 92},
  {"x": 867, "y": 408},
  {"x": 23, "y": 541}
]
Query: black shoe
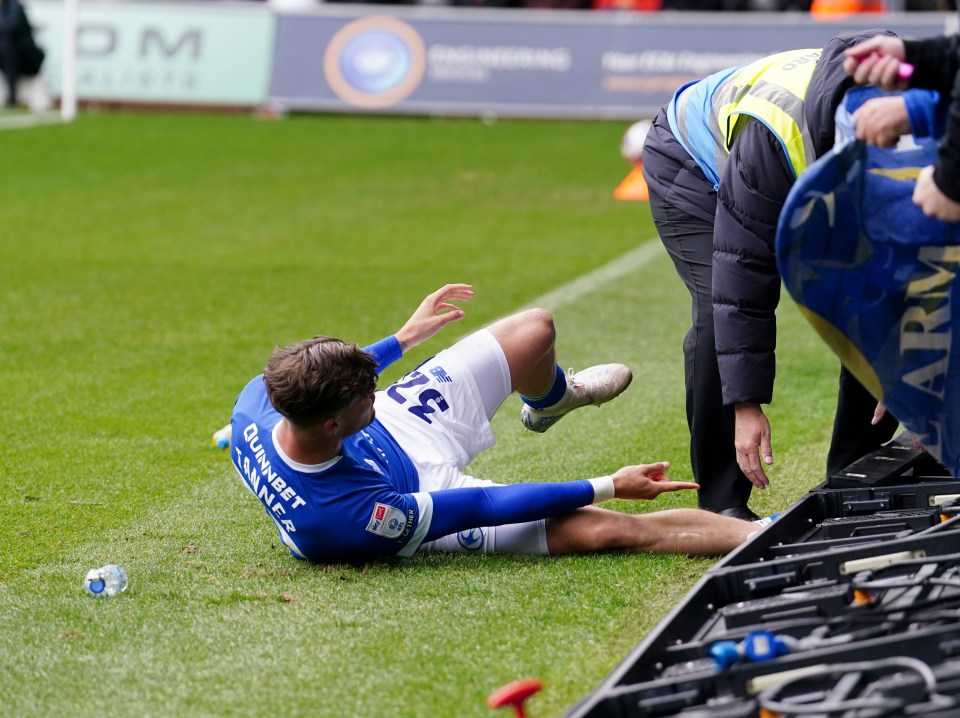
[{"x": 739, "y": 512}]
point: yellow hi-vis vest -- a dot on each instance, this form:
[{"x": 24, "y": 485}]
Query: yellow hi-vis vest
[{"x": 771, "y": 90}]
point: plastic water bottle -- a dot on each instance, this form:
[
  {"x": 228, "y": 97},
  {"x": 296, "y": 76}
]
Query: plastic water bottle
[
  {"x": 106, "y": 581},
  {"x": 221, "y": 438}
]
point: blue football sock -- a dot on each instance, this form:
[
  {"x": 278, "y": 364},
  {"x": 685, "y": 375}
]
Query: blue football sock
[{"x": 553, "y": 396}]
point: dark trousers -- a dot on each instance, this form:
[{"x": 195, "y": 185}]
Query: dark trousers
[
  {"x": 19, "y": 54},
  {"x": 683, "y": 205},
  {"x": 689, "y": 241},
  {"x": 10, "y": 68},
  {"x": 853, "y": 436}
]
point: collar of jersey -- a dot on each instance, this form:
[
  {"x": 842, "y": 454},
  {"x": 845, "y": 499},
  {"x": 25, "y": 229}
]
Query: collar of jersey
[{"x": 296, "y": 465}]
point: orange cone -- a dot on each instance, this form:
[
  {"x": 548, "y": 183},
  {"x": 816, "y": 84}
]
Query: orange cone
[{"x": 633, "y": 187}]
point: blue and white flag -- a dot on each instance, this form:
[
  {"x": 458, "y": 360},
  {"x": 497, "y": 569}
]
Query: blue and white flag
[{"x": 878, "y": 281}]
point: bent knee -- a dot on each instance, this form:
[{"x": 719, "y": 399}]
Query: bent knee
[{"x": 540, "y": 322}]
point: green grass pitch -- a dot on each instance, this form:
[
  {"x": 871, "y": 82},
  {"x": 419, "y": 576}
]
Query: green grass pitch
[{"x": 150, "y": 264}]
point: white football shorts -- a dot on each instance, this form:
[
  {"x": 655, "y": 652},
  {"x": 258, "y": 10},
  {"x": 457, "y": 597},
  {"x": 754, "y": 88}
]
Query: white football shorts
[{"x": 458, "y": 390}]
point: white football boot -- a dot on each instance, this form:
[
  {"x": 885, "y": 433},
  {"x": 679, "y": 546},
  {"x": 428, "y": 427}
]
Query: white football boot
[{"x": 593, "y": 386}]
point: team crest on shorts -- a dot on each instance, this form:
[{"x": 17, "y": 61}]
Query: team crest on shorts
[
  {"x": 471, "y": 539},
  {"x": 386, "y": 521}
]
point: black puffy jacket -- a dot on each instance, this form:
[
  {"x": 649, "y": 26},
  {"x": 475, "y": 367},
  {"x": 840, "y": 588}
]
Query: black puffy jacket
[{"x": 753, "y": 188}]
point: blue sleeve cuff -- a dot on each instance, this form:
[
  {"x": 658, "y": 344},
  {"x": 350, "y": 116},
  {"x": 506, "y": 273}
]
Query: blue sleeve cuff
[
  {"x": 385, "y": 352},
  {"x": 922, "y": 106},
  {"x": 461, "y": 509}
]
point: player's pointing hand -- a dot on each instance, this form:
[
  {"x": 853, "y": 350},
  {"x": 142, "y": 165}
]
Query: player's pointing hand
[{"x": 646, "y": 481}]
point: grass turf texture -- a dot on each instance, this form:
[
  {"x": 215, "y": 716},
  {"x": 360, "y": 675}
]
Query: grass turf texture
[{"x": 152, "y": 262}]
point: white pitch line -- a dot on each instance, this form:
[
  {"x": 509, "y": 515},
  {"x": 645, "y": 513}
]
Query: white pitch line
[
  {"x": 588, "y": 283},
  {"x": 28, "y": 119}
]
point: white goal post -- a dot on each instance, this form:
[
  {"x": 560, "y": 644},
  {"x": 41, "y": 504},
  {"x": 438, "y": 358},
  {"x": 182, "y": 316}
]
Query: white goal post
[{"x": 68, "y": 79}]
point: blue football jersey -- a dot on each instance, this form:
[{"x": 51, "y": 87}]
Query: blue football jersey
[
  {"x": 359, "y": 505},
  {"x": 368, "y": 501}
]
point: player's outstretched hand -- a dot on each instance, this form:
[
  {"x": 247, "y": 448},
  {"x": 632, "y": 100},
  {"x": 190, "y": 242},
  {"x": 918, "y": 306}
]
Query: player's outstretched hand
[
  {"x": 646, "y": 481},
  {"x": 434, "y": 313}
]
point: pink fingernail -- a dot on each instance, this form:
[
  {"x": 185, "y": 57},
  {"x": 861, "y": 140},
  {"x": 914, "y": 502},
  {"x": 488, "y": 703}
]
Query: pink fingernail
[{"x": 905, "y": 71}]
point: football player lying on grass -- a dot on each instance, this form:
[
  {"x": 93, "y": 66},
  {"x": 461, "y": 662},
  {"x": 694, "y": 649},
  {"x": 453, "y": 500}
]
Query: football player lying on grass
[{"x": 349, "y": 473}]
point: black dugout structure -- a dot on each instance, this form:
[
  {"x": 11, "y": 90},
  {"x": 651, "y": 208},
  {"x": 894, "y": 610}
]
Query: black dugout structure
[{"x": 847, "y": 605}]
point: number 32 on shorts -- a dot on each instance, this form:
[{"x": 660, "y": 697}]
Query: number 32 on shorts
[{"x": 429, "y": 400}]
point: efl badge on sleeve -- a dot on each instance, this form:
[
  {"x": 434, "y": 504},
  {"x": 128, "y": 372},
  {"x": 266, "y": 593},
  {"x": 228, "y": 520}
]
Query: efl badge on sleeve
[{"x": 386, "y": 521}]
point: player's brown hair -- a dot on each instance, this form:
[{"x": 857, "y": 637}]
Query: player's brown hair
[{"x": 310, "y": 380}]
